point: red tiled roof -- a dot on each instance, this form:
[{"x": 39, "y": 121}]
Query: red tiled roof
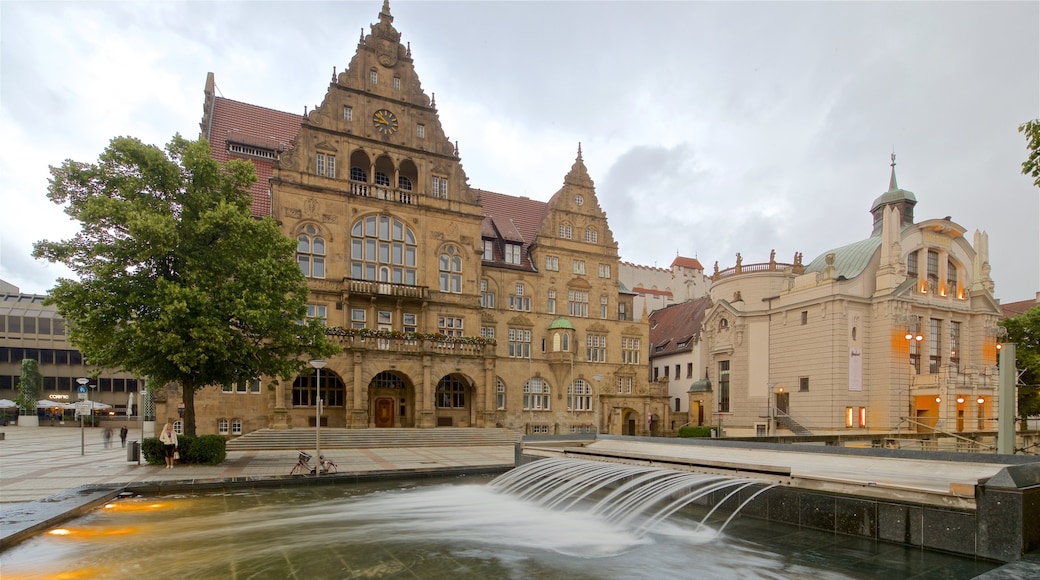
[
  {"x": 516, "y": 219},
  {"x": 692, "y": 263},
  {"x": 677, "y": 324},
  {"x": 653, "y": 291},
  {"x": 261, "y": 127},
  {"x": 1015, "y": 308}
]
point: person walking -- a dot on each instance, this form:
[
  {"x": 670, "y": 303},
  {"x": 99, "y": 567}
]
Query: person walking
[
  {"x": 107, "y": 436},
  {"x": 168, "y": 438},
  {"x": 122, "y": 435}
]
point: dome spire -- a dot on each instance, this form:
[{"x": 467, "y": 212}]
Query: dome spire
[{"x": 892, "y": 186}]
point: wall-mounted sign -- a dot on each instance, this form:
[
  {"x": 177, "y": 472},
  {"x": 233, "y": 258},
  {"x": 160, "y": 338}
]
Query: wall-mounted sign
[{"x": 58, "y": 397}]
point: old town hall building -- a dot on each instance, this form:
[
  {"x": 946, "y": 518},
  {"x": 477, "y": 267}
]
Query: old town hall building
[{"x": 454, "y": 306}]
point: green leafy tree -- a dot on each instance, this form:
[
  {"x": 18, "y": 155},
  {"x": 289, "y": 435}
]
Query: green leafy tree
[
  {"x": 1031, "y": 166},
  {"x": 1024, "y": 331},
  {"x": 29, "y": 386},
  {"x": 177, "y": 281}
]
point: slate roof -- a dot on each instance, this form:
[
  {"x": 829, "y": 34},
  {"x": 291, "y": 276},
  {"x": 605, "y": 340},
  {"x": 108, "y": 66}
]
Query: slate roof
[
  {"x": 512, "y": 219},
  {"x": 672, "y": 328},
  {"x": 253, "y": 126}
]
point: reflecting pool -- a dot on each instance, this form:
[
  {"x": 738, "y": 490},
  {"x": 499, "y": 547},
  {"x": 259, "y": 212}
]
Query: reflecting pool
[{"x": 459, "y": 528}]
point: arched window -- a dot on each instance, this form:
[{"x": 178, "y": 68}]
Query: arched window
[
  {"x": 591, "y": 236},
  {"x": 579, "y": 396},
  {"x": 382, "y": 249},
  {"x": 723, "y": 324},
  {"x": 566, "y": 231},
  {"x": 358, "y": 174},
  {"x": 310, "y": 252},
  {"x": 451, "y": 393},
  {"x": 403, "y": 183},
  {"x": 222, "y": 426},
  {"x": 236, "y": 426},
  {"x": 382, "y": 179},
  {"x": 451, "y": 271},
  {"x": 305, "y": 390},
  {"x": 536, "y": 395}
]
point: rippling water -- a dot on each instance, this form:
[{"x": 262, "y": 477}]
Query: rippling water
[{"x": 461, "y": 529}]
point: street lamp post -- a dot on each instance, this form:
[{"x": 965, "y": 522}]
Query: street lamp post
[
  {"x": 140, "y": 412},
  {"x": 82, "y": 444},
  {"x": 318, "y": 364}
]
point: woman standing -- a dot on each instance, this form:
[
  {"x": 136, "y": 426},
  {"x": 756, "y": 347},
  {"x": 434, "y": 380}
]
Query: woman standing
[{"x": 169, "y": 441}]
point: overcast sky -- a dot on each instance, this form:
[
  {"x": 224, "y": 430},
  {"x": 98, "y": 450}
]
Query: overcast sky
[{"x": 708, "y": 128}]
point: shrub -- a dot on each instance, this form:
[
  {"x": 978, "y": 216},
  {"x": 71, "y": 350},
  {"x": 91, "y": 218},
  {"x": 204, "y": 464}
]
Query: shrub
[
  {"x": 691, "y": 431},
  {"x": 207, "y": 449}
]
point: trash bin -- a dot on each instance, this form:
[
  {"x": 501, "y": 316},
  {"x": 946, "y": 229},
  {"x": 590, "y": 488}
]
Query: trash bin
[{"x": 133, "y": 451}]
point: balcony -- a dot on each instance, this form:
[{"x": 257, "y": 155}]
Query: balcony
[
  {"x": 385, "y": 193},
  {"x": 373, "y": 288},
  {"x": 397, "y": 342}
]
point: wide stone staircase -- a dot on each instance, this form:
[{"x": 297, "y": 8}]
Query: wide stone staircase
[{"x": 278, "y": 439}]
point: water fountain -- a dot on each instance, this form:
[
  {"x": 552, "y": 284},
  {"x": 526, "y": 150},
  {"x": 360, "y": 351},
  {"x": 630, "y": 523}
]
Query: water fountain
[{"x": 548, "y": 519}]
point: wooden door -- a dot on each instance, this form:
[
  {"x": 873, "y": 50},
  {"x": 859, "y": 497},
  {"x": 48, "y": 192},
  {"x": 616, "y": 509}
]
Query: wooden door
[{"x": 384, "y": 412}]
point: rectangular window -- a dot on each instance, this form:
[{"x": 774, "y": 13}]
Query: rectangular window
[
  {"x": 487, "y": 299},
  {"x": 449, "y": 325},
  {"x": 951, "y": 278},
  {"x": 520, "y": 303},
  {"x": 357, "y": 318},
  {"x": 519, "y": 343},
  {"x": 320, "y": 168},
  {"x": 439, "y": 187},
  {"x": 676, "y": 371},
  {"x": 803, "y": 384},
  {"x": 325, "y": 165},
  {"x": 915, "y": 356},
  {"x": 604, "y": 270},
  {"x": 489, "y": 250},
  {"x": 348, "y": 114},
  {"x": 724, "y": 386},
  {"x": 591, "y": 236},
  {"x": 420, "y": 131},
  {"x": 408, "y": 320},
  {"x": 578, "y": 266},
  {"x": 955, "y": 343},
  {"x": 578, "y": 303},
  {"x": 500, "y": 400},
  {"x": 621, "y": 313},
  {"x": 552, "y": 301},
  {"x": 630, "y": 350},
  {"x": 666, "y": 367},
  {"x": 596, "y": 348},
  {"x": 933, "y": 271},
  {"x": 565, "y": 231},
  {"x": 805, "y": 317},
  {"x": 552, "y": 263},
  {"x": 317, "y": 312},
  {"x": 373, "y": 77},
  {"x": 911, "y": 265},
  {"x": 934, "y": 345},
  {"x": 689, "y": 370},
  {"x": 603, "y": 307},
  {"x": 487, "y": 332},
  {"x": 512, "y": 254},
  {"x": 397, "y": 83}
]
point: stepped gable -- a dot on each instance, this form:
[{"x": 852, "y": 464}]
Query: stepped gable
[
  {"x": 674, "y": 326},
  {"x": 237, "y": 130},
  {"x": 512, "y": 219}
]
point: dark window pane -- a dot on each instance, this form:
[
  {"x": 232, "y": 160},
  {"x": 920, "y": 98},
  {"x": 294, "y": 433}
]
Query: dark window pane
[{"x": 29, "y": 325}]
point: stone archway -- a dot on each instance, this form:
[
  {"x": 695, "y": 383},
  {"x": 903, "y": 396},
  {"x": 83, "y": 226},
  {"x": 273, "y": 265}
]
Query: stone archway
[
  {"x": 391, "y": 399},
  {"x": 630, "y": 421},
  {"x": 453, "y": 401}
]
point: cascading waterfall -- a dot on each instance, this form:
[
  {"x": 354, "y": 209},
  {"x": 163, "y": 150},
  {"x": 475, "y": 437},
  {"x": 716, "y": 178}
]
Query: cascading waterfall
[{"x": 630, "y": 493}]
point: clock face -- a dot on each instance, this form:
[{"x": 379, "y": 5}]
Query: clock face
[{"x": 385, "y": 122}]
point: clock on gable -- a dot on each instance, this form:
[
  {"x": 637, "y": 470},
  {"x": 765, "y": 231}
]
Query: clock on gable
[{"x": 385, "y": 121}]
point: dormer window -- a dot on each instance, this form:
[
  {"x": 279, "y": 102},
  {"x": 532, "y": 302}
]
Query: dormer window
[
  {"x": 512, "y": 254},
  {"x": 489, "y": 250}
]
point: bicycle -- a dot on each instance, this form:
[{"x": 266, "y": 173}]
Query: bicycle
[
  {"x": 303, "y": 465},
  {"x": 328, "y": 465}
]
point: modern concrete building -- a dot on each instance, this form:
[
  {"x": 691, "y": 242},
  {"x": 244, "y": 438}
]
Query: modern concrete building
[
  {"x": 897, "y": 331},
  {"x": 454, "y": 306},
  {"x": 30, "y": 329}
]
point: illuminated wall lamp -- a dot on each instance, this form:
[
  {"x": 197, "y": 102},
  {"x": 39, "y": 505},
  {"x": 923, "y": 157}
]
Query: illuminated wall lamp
[
  {"x": 938, "y": 399},
  {"x": 980, "y": 400},
  {"x": 960, "y": 400}
]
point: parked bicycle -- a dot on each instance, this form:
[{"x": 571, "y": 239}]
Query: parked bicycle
[{"x": 303, "y": 465}]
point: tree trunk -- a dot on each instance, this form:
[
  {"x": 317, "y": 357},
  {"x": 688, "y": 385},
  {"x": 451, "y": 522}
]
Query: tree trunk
[{"x": 189, "y": 408}]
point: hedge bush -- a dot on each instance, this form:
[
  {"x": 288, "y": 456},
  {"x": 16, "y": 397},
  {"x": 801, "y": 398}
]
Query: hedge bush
[
  {"x": 691, "y": 431},
  {"x": 207, "y": 449}
]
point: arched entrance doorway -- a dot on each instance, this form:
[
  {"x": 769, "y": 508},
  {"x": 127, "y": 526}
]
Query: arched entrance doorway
[
  {"x": 392, "y": 401},
  {"x": 453, "y": 400},
  {"x": 305, "y": 393},
  {"x": 629, "y": 421}
]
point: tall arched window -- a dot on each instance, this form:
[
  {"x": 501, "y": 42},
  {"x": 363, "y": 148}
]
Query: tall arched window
[
  {"x": 382, "y": 248},
  {"x": 536, "y": 395},
  {"x": 451, "y": 393},
  {"x": 358, "y": 174},
  {"x": 451, "y": 270},
  {"x": 404, "y": 183},
  {"x": 310, "y": 252}
]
